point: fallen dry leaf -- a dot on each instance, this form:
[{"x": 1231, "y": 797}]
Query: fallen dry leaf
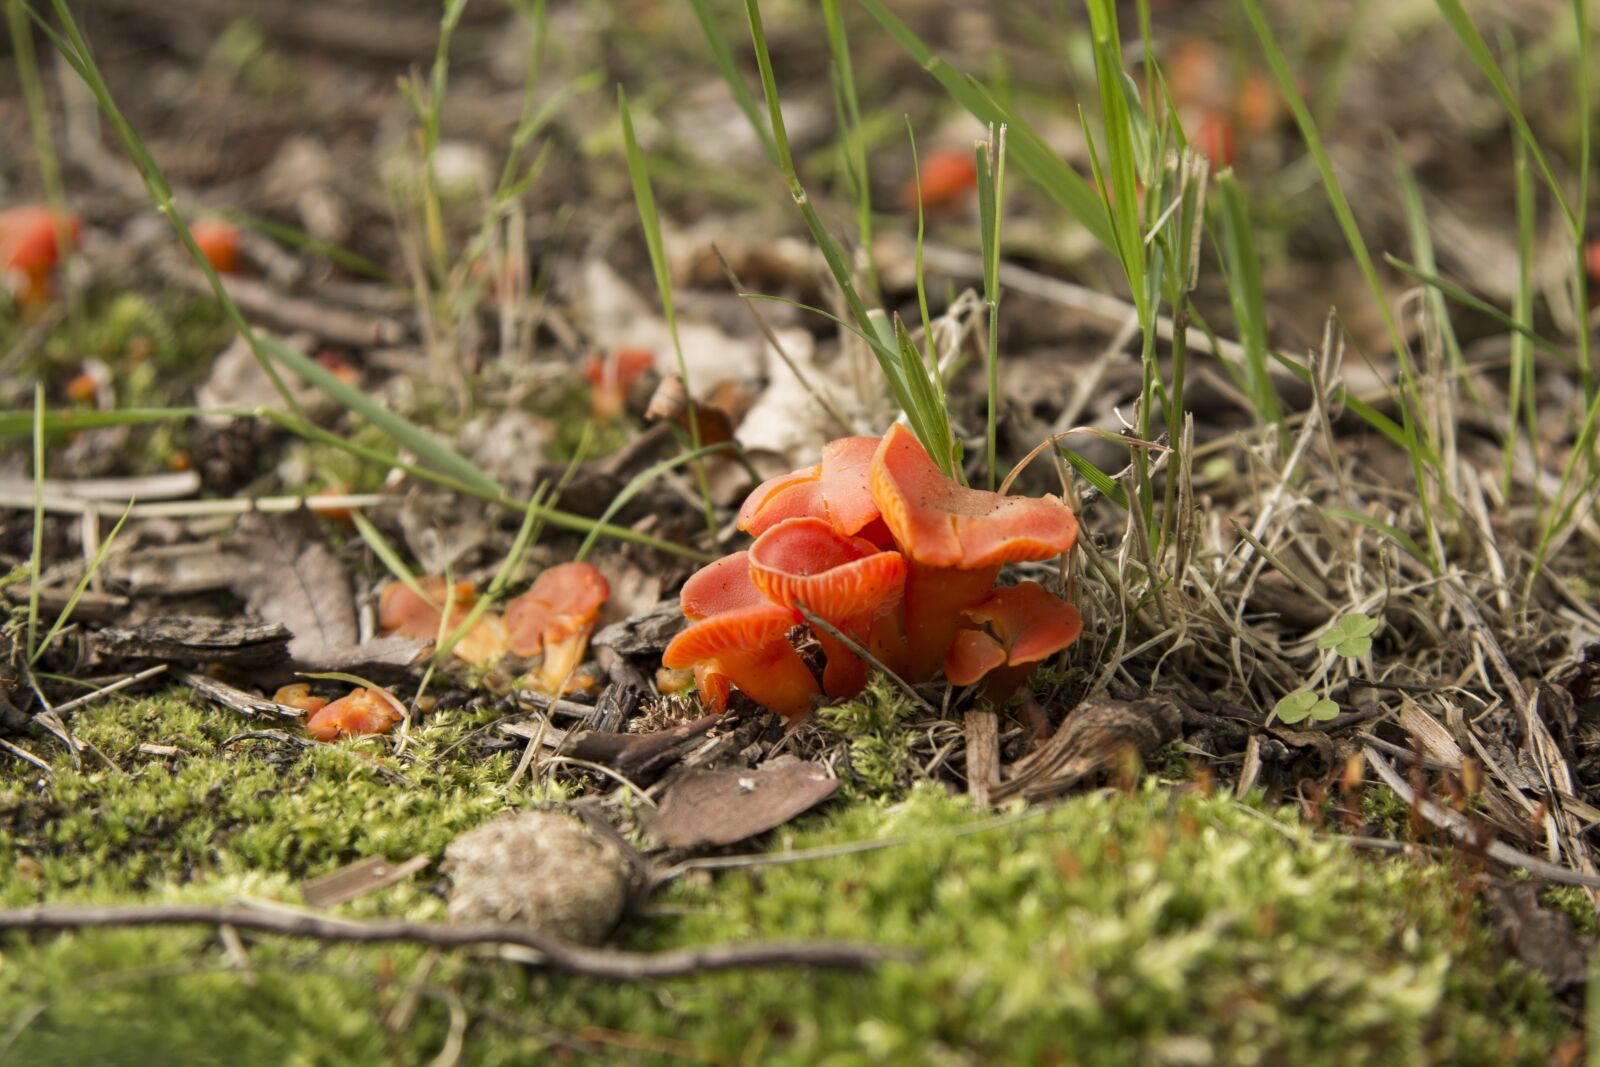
[
  {"x": 285, "y": 572},
  {"x": 722, "y": 807}
]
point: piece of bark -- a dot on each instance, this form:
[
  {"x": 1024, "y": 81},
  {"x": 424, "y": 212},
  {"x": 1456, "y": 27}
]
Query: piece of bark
[
  {"x": 723, "y": 807},
  {"x": 983, "y": 755},
  {"x": 245, "y": 703},
  {"x": 1091, "y": 740},
  {"x": 618, "y": 701},
  {"x": 193, "y": 639},
  {"x": 643, "y": 635}
]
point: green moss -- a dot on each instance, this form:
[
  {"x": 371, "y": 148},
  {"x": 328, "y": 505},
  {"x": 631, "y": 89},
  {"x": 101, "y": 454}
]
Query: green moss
[
  {"x": 1154, "y": 927},
  {"x": 880, "y": 743}
]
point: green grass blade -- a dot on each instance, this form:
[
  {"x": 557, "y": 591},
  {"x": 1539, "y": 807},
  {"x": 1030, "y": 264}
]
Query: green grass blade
[
  {"x": 65, "y": 614},
  {"x": 36, "y": 556},
  {"x": 1418, "y": 449},
  {"x": 1059, "y": 181},
  {"x": 432, "y": 451},
  {"x": 722, "y": 55},
  {"x": 638, "y": 483},
  {"x": 1393, "y": 533},
  {"x": 1478, "y": 49},
  {"x": 645, "y": 200},
  {"x": 1245, "y": 292},
  {"x": 1096, "y": 477},
  {"x": 21, "y": 423}
]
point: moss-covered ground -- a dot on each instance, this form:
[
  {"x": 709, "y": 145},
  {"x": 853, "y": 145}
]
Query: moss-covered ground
[{"x": 1157, "y": 927}]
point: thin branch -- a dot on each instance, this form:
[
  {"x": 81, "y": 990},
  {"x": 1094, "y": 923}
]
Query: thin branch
[{"x": 610, "y": 964}]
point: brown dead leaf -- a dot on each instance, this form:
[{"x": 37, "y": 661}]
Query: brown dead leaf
[
  {"x": 286, "y": 573},
  {"x": 721, "y": 807}
]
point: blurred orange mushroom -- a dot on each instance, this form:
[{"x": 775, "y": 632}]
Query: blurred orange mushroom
[
  {"x": 955, "y": 540},
  {"x": 847, "y": 582},
  {"x": 364, "y": 711},
  {"x": 947, "y": 177},
  {"x": 417, "y": 613},
  {"x": 218, "y": 241},
  {"x": 30, "y": 248},
  {"x": 613, "y": 375},
  {"x": 1026, "y": 625},
  {"x": 299, "y": 696},
  {"x": 556, "y": 616}
]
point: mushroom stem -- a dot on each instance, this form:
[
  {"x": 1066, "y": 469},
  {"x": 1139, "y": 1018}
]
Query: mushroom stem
[
  {"x": 773, "y": 675},
  {"x": 935, "y": 599}
]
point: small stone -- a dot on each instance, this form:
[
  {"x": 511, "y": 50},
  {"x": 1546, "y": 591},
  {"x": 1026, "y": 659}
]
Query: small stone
[{"x": 539, "y": 869}]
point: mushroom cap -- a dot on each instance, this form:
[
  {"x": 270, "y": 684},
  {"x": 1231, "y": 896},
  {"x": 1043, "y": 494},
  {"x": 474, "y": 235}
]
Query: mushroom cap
[
  {"x": 402, "y": 611},
  {"x": 563, "y": 598},
  {"x": 721, "y": 586},
  {"x": 28, "y": 237},
  {"x": 1030, "y": 621},
  {"x": 940, "y": 523},
  {"x": 740, "y": 630},
  {"x": 218, "y": 241},
  {"x": 364, "y": 711},
  {"x": 807, "y": 561},
  {"x": 837, "y": 489},
  {"x": 972, "y": 655}
]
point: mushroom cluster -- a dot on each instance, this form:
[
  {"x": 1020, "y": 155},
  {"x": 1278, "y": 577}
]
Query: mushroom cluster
[{"x": 875, "y": 549}]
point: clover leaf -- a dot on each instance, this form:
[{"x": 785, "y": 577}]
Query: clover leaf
[
  {"x": 1350, "y": 635},
  {"x": 1303, "y": 704}
]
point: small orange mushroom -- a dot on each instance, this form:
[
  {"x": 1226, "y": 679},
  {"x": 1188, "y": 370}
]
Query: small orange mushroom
[
  {"x": 1591, "y": 258},
  {"x": 727, "y": 607},
  {"x": 613, "y": 376},
  {"x": 955, "y": 540},
  {"x": 1028, "y": 624},
  {"x": 406, "y": 612},
  {"x": 947, "y": 177},
  {"x": 30, "y": 248},
  {"x": 847, "y": 582},
  {"x": 364, "y": 711},
  {"x": 299, "y": 696},
  {"x": 218, "y": 241},
  {"x": 747, "y": 647},
  {"x": 556, "y": 616}
]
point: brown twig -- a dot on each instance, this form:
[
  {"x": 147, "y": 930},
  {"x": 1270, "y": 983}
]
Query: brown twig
[{"x": 610, "y": 964}]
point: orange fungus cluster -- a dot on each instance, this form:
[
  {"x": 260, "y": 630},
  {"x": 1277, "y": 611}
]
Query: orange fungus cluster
[{"x": 875, "y": 548}]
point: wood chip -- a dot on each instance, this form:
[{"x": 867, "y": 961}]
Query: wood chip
[
  {"x": 193, "y": 639},
  {"x": 721, "y": 807},
  {"x": 358, "y": 879},
  {"x": 1090, "y": 741},
  {"x": 983, "y": 755}
]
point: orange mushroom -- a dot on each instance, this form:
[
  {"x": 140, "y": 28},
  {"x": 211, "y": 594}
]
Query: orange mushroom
[
  {"x": 556, "y": 616},
  {"x": 406, "y": 612},
  {"x": 613, "y": 376},
  {"x": 947, "y": 178},
  {"x": 1591, "y": 258},
  {"x": 837, "y": 489},
  {"x": 364, "y": 711},
  {"x": 726, "y": 606},
  {"x": 1028, "y": 625},
  {"x": 847, "y": 582},
  {"x": 30, "y": 248},
  {"x": 299, "y": 696},
  {"x": 218, "y": 241},
  {"x": 749, "y": 648},
  {"x": 955, "y": 540}
]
